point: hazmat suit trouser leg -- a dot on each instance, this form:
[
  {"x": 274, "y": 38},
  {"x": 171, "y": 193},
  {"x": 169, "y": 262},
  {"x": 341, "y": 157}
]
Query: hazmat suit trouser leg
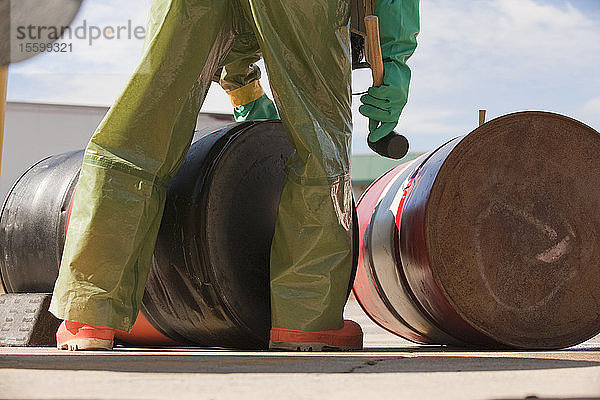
[
  {"x": 307, "y": 53},
  {"x": 131, "y": 158},
  {"x": 141, "y": 143},
  {"x": 306, "y": 47}
]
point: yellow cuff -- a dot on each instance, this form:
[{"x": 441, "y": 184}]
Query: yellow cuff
[{"x": 246, "y": 94}]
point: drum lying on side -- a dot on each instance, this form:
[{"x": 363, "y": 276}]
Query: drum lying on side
[
  {"x": 32, "y": 224},
  {"x": 492, "y": 239},
  {"x": 209, "y": 279}
]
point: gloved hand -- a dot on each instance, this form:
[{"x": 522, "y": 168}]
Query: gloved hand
[
  {"x": 383, "y": 106},
  {"x": 398, "y": 29},
  {"x": 261, "y": 108}
]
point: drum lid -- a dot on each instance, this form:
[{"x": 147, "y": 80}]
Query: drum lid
[{"x": 513, "y": 230}]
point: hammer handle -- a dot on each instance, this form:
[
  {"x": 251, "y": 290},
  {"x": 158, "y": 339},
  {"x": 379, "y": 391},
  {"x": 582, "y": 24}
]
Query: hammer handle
[{"x": 374, "y": 56}]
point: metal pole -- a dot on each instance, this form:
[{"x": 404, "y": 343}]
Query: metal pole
[{"x": 481, "y": 117}]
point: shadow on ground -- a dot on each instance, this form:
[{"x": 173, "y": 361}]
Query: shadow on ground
[
  {"x": 448, "y": 349},
  {"x": 553, "y": 398},
  {"x": 221, "y": 363}
]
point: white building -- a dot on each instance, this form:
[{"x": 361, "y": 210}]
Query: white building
[{"x": 35, "y": 131}]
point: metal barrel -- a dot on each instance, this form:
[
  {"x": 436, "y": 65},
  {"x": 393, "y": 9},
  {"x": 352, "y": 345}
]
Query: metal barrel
[
  {"x": 209, "y": 278},
  {"x": 33, "y": 221},
  {"x": 492, "y": 240}
]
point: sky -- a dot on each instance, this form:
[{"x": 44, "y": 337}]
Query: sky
[{"x": 499, "y": 55}]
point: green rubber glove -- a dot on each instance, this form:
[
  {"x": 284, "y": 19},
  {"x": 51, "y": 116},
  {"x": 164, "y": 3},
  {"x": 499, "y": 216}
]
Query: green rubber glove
[
  {"x": 261, "y": 108},
  {"x": 398, "y": 29}
]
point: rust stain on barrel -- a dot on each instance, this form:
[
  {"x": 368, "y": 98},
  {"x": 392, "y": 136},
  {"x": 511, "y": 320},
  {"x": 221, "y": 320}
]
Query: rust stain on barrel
[
  {"x": 512, "y": 237},
  {"x": 499, "y": 238}
]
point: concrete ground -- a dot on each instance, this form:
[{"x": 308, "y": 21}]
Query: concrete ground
[{"x": 388, "y": 368}]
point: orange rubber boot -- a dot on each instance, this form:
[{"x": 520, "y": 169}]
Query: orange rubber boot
[
  {"x": 350, "y": 337},
  {"x": 77, "y": 336}
]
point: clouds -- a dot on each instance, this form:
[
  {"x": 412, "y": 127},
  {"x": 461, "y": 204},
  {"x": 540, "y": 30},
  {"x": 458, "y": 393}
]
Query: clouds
[
  {"x": 103, "y": 55},
  {"x": 92, "y": 74},
  {"x": 507, "y": 34},
  {"x": 590, "y": 111},
  {"x": 503, "y": 55}
]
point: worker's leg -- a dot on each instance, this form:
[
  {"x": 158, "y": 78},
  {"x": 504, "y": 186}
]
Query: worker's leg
[
  {"x": 240, "y": 76},
  {"x": 130, "y": 160},
  {"x": 306, "y": 48}
]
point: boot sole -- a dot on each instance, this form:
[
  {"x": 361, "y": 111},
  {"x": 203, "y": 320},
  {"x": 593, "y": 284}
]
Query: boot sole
[
  {"x": 86, "y": 344},
  {"x": 307, "y": 346}
]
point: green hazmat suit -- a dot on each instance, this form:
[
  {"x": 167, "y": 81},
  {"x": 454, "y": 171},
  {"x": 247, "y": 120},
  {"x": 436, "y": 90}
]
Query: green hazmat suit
[
  {"x": 142, "y": 141},
  {"x": 399, "y": 25},
  {"x": 240, "y": 79},
  {"x": 261, "y": 108},
  {"x": 249, "y": 101}
]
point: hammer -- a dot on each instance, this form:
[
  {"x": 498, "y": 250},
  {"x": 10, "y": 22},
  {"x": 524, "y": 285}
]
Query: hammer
[{"x": 393, "y": 145}]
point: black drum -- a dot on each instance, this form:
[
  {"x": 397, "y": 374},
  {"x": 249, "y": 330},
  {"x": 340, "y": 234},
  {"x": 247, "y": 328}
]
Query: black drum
[{"x": 209, "y": 279}]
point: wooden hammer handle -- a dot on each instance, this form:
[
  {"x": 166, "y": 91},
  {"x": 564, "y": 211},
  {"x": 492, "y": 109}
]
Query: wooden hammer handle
[{"x": 374, "y": 56}]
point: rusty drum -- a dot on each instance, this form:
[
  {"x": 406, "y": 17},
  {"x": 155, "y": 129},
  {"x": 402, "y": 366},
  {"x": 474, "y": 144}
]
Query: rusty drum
[{"x": 492, "y": 240}]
